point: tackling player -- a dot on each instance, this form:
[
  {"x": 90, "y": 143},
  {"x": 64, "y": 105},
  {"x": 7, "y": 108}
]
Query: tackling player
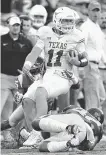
[{"x": 73, "y": 128}]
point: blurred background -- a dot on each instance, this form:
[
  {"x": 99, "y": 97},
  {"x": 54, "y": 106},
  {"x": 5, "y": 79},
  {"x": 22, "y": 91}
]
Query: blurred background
[{"x": 23, "y": 6}]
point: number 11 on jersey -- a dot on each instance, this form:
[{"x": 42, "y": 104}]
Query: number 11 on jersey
[{"x": 58, "y": 58}]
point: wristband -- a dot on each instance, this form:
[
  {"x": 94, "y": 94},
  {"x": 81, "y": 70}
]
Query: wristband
[{"x": 83, "y": 62}]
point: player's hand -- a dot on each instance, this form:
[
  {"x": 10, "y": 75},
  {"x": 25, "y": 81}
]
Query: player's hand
[
  {"x": 72, "y": 53},
  {"x": 73, "y": 57}
]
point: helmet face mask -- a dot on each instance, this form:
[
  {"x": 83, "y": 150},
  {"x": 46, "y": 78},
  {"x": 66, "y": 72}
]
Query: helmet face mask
[
  {"x": 65, "y": 25},
  {"x": 64, "y": 19},
  {"x": 97, "y": 113}
]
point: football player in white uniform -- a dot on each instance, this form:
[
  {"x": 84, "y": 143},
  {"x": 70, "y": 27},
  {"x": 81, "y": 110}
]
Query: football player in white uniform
[
  {"x": 64, "y": 47},
  {"x": 73, "y": 128}
]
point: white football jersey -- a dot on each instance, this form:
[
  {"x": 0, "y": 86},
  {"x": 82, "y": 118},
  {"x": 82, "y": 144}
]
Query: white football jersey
[{"x": 55, "y": 46}]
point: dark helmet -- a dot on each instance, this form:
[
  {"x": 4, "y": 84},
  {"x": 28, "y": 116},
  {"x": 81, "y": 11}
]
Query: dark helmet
[
  {"x": 97, "y": 113},
  {"x": 38, "y": 67}
]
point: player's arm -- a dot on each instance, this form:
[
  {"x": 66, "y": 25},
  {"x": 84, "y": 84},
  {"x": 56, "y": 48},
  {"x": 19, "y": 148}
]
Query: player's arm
[{"x": 33, "y": 55}]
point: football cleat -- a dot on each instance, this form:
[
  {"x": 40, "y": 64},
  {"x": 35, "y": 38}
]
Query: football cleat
[
  {"x": 24, "y": 134},
  {"x": 33, "y": 140}
]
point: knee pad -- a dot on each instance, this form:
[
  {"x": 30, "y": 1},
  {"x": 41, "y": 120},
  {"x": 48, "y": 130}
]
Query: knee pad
[{"x": 35, "y": 124}]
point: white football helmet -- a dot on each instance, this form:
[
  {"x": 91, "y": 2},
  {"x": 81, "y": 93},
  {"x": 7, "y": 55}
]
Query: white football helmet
[
  {"x": 64, "y": 19},
  {"x": 39, "y": 15}
]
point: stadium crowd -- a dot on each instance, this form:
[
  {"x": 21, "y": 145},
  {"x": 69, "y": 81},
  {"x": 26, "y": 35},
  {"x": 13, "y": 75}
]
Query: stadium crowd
[{"x": 53, "y": 73}]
